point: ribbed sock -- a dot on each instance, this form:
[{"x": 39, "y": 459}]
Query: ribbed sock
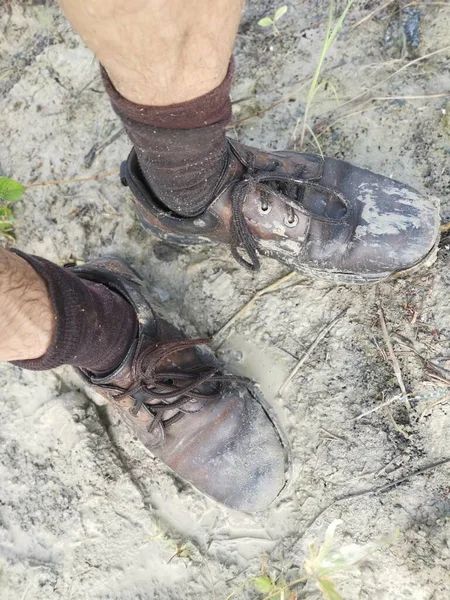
[
  {"x": 94, "y": 326},
  {"x": 182, "y": 148}
]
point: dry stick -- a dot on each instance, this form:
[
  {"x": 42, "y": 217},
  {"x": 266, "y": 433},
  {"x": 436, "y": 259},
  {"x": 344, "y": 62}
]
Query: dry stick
[
  {"x": 322, "y": 334},
  {"x": 98, "y": 148},
  {"x": 258, "y": 113},
  {"x": 377, "y": 408},
  {"x": 374, "y": 490},
  {"x": 371, "y": 14},
  {"x": 418, "y": 97},
  {"x": 270, "y": 288},
  {"x": 388, "y": 486},
  {"x": 433, "y": 370},
  {"x": 351, "y": 100},
  {"x": 396, "y": 426},
  {"x": 392, "y": 355},
  {"x": 102, "y": 175},
  {"x": 439, "y": 378},
  {"x": 292, "y": 94},
  {"x": 372, "y": 106},
  {"x": 277, "y": 593},
  {"x": 445, "y": 4},
  {"x": 408, "y": 64},
  {"x": 321, "y": 132}
]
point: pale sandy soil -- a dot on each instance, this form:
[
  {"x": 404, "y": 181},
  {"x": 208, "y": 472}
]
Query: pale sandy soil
[{"x": 85, "y": 512}]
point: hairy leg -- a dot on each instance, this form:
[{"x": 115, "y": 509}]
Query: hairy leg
[
  {"x": 51, "y": 317},
  {"x": 26, "y": 317},
  {"x": 159, "y": 52}
]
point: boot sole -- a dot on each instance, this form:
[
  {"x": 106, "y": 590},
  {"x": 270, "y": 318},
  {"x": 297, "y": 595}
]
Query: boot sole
[
  {"x": 337, "y": 277},
  {"x": 270, "y": 412}
]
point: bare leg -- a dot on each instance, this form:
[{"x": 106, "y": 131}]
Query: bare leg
[
  {"x": 159, "y": 52},
  {"x": 51, "y": 317},
  {"x": 26, "y": 316}
]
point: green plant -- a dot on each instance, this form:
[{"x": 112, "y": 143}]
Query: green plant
[
  {"x": 324, "y": 563},
  {"x": 316, "y": 82},
  {"x": 10, "y": 192},
  {"x": 270, "y": 21}
]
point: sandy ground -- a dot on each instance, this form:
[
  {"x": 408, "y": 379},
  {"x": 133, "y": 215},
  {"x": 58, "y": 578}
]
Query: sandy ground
[{"x": 85, "y": 512}]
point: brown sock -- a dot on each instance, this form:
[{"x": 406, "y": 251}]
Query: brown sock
[
  {"x": 181, "y": 149},
  {"x": 94, "y": 326}
]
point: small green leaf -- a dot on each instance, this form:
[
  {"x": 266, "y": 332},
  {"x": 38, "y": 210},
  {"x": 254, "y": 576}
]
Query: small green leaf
[
  {"x": 265, "y": 22},
  {"x": 280, "y": 12},
  {"x": 263, "y": 584},
  {"x": 8, "y": 236},
  {"x": 6, "y": 214},
  {"x": 6, "y": 227},
  {"x": 10, "y": 190},
  {"x": 328, "y": 590}
]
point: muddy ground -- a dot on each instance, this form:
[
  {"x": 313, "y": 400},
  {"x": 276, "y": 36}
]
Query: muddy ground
[{"x": 85, "y": 512}]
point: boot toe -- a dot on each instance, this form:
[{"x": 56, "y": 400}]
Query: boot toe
[
  {"x": 233, "y": 453},
  {"x": 255, "y": 465},
  {"x": 397, "y": 227},
  {"x": 391, "y": 227}
]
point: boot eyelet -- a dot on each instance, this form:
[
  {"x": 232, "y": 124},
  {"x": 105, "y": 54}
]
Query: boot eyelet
[
  {"x": 265, "y": 208},
  {"x": 132, "y": 410},
  {"x": 275, "y": 165},
  {"x": 291, "y": 220}
]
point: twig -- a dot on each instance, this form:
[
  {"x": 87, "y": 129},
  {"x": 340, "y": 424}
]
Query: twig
[
  {"x": 388, "y": 486},
  {"x": 260, "y": 112},
  {"x": 217, "y": 340},
  {"x": 445, "y": 4},
  {"x": 380, "y": 83},
  {"x": 414, "y": 97},
  {"x": 439, "y": 378},
  {"x": 371, "y": 14},
  {"x": 369, "y": 104},
  {"x": 374, "y": 490},
  {"x": 102, "y": 175},
  {"x": 98, "y": 148},
  {"x": 396, "y": 426},
  {"x": 430, "y": 407},
  {"x": 388, "y": 464},
  {"x": 322, "y": 334},
  {"x": 323, "y": 130},
  {"x": 377, "y": 408},
  {"x": 334, "y": 436},
  {"x": 91, "y": 81},
  {"x": 392, "y": 355},
  {"x": 276, "y": 594}
]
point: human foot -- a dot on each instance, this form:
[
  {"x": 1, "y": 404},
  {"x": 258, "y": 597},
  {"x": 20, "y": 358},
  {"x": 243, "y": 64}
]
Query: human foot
[
  {"x": 322, "y": 217},
  {"x": 211, "y": 428}
]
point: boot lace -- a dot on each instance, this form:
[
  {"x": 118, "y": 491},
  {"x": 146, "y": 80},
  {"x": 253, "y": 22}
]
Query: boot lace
[
  {"x": 163, "y": 391},
  {"x": 288, "y": 188}
]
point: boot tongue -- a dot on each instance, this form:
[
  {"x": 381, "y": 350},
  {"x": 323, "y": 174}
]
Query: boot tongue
[
  {"x": 179, "y": 361},
  {"x": 323, "y": 204}
]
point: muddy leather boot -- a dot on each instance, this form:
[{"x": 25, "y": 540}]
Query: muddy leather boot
[
  {"x": 323, "y": 217},
  {"x": 211, "y": 428}
]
